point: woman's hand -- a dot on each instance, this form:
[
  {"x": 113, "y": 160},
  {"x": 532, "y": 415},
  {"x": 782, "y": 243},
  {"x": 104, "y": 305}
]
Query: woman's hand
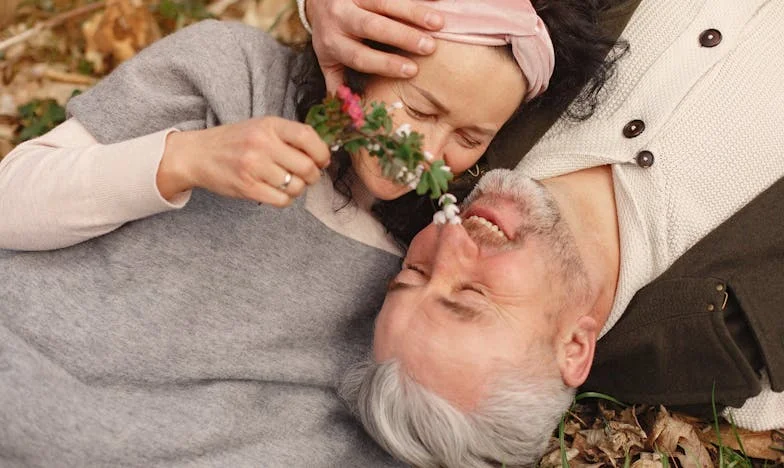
[
  {"x": 339, "y": 26},
  {"x": 249, "y": 160}
]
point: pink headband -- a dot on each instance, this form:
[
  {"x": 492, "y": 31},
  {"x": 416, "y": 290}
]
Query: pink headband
[{"x": 500, "y": 22}]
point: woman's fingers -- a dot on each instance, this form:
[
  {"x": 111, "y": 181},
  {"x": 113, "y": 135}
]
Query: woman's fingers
[
  {"x": 360, "y": 57},
  {"x": 264, "y": 193},
  {"x": 268, "y": 159},
  {"x": 380, "y": 28},
  {"x": 295, "y": 188},
  {"x": 340, "y": 26},
  {"x": 284, "y": 180},
  {"x": 304, "y": 138},
  {"x": 408, "y": 11}
]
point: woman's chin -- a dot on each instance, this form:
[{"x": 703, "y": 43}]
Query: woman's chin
[{"x": 386, "y": 190}]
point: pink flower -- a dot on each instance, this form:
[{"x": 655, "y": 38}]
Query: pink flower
[
  {"x": 344, "y": 93},
  {"x": 352, "y": 106},
  {"x": 357, "y": 116}
]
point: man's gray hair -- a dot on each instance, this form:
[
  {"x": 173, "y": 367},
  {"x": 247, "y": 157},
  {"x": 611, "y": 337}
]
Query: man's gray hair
[{"x": 510, "y": 427}]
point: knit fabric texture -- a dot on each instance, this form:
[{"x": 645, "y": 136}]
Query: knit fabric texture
[
  {"x": 712, "y": 122},
  {"x": 212, "y": 335}
]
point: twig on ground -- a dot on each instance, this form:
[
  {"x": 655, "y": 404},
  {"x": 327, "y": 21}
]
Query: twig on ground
[
  {"x": 65, "y": 77},
  {"x": 220, "y": 6},
  {"x": 50, "y": 23}
]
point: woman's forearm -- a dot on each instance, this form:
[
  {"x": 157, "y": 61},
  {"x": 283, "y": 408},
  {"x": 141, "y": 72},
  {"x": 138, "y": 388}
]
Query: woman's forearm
[{"x": 65, "y": 187}]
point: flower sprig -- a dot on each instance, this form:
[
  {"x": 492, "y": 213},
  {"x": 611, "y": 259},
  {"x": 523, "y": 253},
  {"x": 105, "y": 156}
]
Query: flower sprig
[{"x": 343, "y": 121}]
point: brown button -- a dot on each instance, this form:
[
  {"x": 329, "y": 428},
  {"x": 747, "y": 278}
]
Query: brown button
[
  {"x": 644, "y": 158},
  {"x": 633, "y": 128},
  {"x": 711, "y": 307},
  {"x": 710, "y": 38}
]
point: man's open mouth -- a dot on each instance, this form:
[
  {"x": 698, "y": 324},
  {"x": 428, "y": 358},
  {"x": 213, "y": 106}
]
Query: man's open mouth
[{"x": 476, "y": 219}]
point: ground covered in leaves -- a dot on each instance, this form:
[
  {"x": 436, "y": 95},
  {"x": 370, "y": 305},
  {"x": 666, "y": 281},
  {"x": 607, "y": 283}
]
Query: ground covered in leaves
[{"x": 51, "y": 49}]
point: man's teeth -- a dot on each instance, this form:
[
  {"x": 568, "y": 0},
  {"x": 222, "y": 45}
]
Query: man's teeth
[{"x": 492, "y": 227}]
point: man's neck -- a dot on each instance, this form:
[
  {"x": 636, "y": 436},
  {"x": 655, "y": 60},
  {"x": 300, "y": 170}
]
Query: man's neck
[{"x": 586, "y": 199}]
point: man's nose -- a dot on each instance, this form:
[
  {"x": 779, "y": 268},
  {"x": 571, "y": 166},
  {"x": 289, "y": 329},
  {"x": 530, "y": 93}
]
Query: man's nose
[{"x": 455, "y": 250}]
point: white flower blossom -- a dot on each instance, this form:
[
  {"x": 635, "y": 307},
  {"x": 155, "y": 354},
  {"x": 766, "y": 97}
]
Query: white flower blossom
[
  {"x": 456, "y": 220},
  {"x": 395, "y": 106},
  {"x": 413, "y": 184},
  {"x": 450, "y": 211},
  {"x": 439, "y": 217},
  {"x": 403, "y": 130},
  {"x": 429, "y": 156},
  {"x": 446, "y": 168},
  {"x": 447, "y": 197},
  {"x": 373, "y": 147},
  {"x": 419, "y": 170},
  {"x": 334, "y": 148}
]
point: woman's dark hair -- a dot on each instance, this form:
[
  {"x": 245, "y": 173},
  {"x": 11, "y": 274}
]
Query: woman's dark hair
[{"x": 585, "y": 57}]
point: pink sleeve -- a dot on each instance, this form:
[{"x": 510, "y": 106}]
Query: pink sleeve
[{"x": 65, "y": 187}]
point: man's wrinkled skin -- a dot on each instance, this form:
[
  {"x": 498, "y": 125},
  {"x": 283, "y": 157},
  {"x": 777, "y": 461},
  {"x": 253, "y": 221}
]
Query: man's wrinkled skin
[{"x": 531, "y": 273}]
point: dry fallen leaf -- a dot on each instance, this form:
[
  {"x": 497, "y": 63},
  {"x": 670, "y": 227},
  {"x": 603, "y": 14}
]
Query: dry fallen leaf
[
  {"x": 755, "y": 444},
  {"x": 553, "y": 459},
  {"x": 669, "y": 433},
  {"x": 620, "y": 435},
  {"x": 278, "y": 17},
  {"x": 117, "y": 33},
  {"x": 7, "y": 11},
  {"x": 648, "y": 460}
]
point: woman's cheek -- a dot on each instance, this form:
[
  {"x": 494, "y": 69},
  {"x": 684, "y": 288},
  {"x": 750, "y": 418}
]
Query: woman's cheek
[{"x": 462, "y": 159}]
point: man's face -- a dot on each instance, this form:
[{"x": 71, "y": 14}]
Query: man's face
[{"x": 480, "y": 298}]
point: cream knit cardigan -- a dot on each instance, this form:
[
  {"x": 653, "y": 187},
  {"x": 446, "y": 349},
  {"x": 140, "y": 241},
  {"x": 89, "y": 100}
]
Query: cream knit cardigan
[{"x": 713, "y": 122}]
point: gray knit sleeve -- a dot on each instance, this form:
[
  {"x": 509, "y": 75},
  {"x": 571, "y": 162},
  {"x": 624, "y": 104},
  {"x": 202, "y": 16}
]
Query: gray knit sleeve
[{"x": 208, "y": 74}]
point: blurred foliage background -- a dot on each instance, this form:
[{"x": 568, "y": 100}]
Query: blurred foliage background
[{"x": 51, "y": 49}]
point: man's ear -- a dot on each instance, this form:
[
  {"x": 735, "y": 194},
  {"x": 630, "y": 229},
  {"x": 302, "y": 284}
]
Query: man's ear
[{"x": 575, "y": 352}]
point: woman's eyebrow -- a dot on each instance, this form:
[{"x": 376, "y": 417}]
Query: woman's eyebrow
[
  {"x": 433, "y": 100},
  {"x": 443, "y": 109}
]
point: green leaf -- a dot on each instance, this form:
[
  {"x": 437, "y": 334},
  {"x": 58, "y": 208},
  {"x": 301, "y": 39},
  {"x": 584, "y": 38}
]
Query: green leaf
[
  {"x": 38, "y": 117},
  {"x": 601, "y": 396},
  {"x": 423, "y": 186},
  {"x": 85, "y": 67},
  {"x": 354, "y": 146},
  {"x": 168, "y": 9}
]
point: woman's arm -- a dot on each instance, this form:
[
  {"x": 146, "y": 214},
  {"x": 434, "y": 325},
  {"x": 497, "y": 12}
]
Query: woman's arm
[{"x": 65, "y": 187}]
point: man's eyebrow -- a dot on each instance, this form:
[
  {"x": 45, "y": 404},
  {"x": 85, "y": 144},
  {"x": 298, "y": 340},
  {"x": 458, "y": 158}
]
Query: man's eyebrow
[
  {"x": 464, "y": 312},
  {"x": 442, "y": 108},
  {"x": 395, "y": 285}
]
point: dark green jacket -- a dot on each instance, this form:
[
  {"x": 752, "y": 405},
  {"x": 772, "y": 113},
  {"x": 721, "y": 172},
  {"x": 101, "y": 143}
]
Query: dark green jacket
[{"x": 715, "y": 316}]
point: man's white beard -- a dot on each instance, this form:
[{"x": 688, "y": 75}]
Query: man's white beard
[{"x": 534, "y": 203}]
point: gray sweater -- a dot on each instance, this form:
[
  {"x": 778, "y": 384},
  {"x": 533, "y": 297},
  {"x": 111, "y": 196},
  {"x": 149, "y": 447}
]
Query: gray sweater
[{"x": 208, "y": 336}]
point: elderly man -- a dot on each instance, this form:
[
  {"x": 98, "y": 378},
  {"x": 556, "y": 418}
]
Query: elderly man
[{"x": 491, "y": 325}]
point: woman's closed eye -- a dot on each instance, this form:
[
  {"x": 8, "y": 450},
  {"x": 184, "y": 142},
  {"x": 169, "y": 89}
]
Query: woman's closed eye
[
  {"x": 419, "y": 115},
  {"x": 468, "y": 142}
]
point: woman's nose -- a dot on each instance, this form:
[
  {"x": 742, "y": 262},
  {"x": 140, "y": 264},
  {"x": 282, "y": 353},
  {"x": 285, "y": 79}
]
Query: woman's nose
[{"x": 435, "y": 142}]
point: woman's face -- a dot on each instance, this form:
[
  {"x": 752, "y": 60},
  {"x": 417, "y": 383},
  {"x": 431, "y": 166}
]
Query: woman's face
[{"x": 461, "y": 97}]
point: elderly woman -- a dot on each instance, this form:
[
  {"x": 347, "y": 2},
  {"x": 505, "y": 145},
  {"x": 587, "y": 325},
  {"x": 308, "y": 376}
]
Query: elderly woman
[{"x": 180, "y": 323}]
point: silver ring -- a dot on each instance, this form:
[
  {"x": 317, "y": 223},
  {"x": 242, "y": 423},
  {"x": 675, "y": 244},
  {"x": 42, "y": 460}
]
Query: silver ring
[{"x": 286, "y": 181}]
